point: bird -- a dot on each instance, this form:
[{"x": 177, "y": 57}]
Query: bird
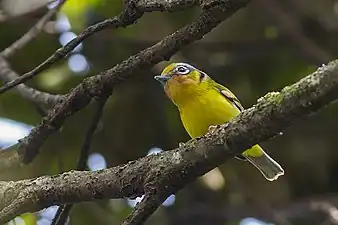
[{"x": 203, "y": 103}]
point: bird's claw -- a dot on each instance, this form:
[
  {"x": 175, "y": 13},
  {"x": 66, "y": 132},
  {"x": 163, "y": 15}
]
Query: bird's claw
[{"x": 212, "y": 129}]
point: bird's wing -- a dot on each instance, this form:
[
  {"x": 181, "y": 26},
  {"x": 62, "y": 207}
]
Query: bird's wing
[
  {"x": 235, "y": 102},
  {"x": 230, "y": 96}
]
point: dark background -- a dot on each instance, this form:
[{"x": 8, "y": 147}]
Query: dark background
[{"x": 262, "y": 48}]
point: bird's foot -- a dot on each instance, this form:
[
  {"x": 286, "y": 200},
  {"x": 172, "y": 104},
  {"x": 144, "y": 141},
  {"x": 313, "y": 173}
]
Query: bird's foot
[
  {"x": 212, "y": 129},
  {"x": 181, "y": 145}
]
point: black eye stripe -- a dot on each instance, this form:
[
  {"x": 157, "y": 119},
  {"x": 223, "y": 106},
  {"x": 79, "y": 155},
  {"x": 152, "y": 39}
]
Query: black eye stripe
[{"x": 202, "y": 75}]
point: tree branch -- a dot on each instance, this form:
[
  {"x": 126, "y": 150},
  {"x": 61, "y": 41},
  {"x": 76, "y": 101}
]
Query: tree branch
[
  {"x": 133, "y": 11},
  {"x": 63, "y": 211},
  {"x": 11, "y": 157},
  {"x": 7, "y": 74},
  {"x": 103, "y": 83},
  {"x": 165, "y": 5},
  {"x": 169, "y": 171},
  {"x": 143, "y": 210},
  {"x": 32, "y": 33},
  {"x": 61, "y": 215}
]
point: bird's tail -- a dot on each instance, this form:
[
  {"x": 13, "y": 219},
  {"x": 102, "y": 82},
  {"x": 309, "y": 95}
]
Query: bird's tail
[{"x": 270, "y": 169}]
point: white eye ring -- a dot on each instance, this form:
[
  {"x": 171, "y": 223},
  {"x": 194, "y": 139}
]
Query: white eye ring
[{"x": 182, "y": 70}]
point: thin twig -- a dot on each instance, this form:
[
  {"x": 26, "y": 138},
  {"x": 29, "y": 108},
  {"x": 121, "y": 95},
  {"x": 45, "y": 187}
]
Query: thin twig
[
  {"x": 64, "y": 210},
  {"x": 143, "y": 210},
  {"x": 133, "y": 11},
  {"x": 124, "y": 19},
  {"x": 61, "y": 215},
  {"x": 42, "y": 99},
  {"x": 81, "y": 95},
  {"x": 81, "y": 164},
  {"x": 32, "y": 33}
]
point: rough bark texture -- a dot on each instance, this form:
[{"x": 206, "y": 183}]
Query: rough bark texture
[
  {"x": 165, "y": 173},
  {"x": 133, "y": 11},
  {"x": 214, "y": 12}
]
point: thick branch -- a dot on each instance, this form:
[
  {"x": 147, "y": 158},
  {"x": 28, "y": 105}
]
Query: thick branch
[
  {"x": 12, "y": 158},
  {"x": 134, "y": 10},
  {"x": 96, "y": 85},
  {"x": 170, "y": 171},
  {"x": 165, "y": 5}
]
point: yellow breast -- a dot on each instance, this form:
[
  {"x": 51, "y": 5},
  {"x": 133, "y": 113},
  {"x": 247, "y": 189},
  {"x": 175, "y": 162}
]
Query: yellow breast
[{"x": 202, "y": 111}]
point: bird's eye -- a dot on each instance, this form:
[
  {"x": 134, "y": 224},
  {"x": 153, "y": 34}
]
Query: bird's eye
[{"x": 182, "y": 70}]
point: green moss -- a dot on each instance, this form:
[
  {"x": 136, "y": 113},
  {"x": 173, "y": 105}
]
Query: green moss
[{"x": 271, "y": 97}]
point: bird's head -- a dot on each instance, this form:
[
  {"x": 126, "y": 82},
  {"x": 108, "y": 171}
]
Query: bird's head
[
  {"x": 182, "y": 81},
  {"x": 182, "y": 73}
]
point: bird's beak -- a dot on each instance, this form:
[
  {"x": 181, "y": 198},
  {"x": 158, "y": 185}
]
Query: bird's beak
[{"x": 162, "y": 79}]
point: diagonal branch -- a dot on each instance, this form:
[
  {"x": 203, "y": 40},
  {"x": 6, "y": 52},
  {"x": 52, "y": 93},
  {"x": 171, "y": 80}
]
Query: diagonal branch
[
  {"x": 63, "y": 211},
  {"x": 103, "y": 83},
  {"x": 114, "y": 22},
  {"x": 170, "y": 171},
  {"x": 7, "y": 74},
  {"x": 133, "y": 11},
  {"x": 32, "y": 33},
  {"x": 11, "y": 157},
  {"x": 61, "y": 215},
  {"x": 143, "y": 210}
]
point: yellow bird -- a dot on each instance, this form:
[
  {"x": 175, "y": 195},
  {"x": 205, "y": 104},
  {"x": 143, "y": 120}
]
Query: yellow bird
[{"x": 203, "y": 103}]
